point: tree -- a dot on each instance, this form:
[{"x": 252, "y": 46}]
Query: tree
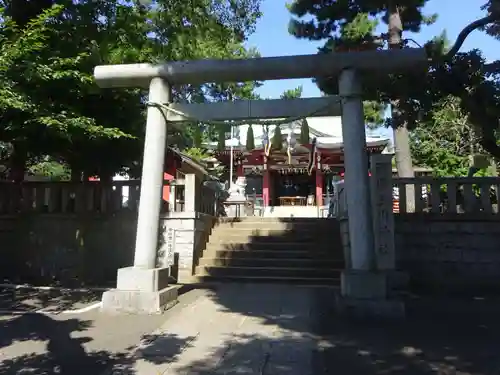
[
  {"x": 33, "y": 117},
  {"x": 292, "y": 93},
  {"x": 304, "y": 138},
  {"x": 462, "y": 75},
  {"x": 446, "y": 140},
  {"x": 277, "y": 141},
  {"x": 350, "y": 25},
  {"x": 250, "y": 139},
  {"x": 468, "y": 77},
  {"x": 100, "y": 131},
  {"x": 52, "y": 169},
  {"x": 492, "y": 6}
]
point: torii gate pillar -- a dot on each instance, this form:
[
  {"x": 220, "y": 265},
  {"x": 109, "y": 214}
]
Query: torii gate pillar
[
  {"x": 144, "y": 288},
  {"x": 363, "y": 287}
]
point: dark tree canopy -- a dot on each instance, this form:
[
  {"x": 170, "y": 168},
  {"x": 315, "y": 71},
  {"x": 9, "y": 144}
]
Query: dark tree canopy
[{"x": 58, "y": 110}]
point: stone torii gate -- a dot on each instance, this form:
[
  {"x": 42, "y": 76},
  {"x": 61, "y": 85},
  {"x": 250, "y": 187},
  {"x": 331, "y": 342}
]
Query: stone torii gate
[{"x": 144, "y": 288}]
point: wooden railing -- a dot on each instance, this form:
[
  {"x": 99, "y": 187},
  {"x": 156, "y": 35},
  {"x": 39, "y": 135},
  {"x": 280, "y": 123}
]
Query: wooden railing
[{"x": 447, "y": 194}]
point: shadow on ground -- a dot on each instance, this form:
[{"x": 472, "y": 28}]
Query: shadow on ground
[
  {"x": 58, "y": 347},
  {"x": 449, "y": 342},
  {"x": 23, "y": 299},
  {"x": 299, "y": 334},
  {"x": 59, "y": 352},
  {"x": 441, "y": 335}
]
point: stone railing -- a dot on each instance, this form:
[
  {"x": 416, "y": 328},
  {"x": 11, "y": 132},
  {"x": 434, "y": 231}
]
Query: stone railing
[
  {"x": 68, "y": 197},
  {"x": 85, "y": 197},
  {"x": 60, "y": 231},
  {"x": 447, "y": 194}
]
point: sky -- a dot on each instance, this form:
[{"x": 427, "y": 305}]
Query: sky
[{"x": 271, "y": 37}]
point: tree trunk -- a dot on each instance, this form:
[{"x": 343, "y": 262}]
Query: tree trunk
[
  {"x": 401, "y": 135},
  {"x": 17, "y": 169},
  {"x": 17, "y": 164},
  {"x": 76, "y": 175}
]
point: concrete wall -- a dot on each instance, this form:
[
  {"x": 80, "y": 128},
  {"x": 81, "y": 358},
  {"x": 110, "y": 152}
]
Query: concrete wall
[
  {"x": 449, "y": 251},
  {"x": 459, "y": 251},
  {"x": 74, "y": 250},
  {"x": 66, "y": 249}
]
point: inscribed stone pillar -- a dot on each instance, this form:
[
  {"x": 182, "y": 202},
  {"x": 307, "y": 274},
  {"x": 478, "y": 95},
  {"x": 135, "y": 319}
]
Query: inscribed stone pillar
[{"x": 383, "y": 217}]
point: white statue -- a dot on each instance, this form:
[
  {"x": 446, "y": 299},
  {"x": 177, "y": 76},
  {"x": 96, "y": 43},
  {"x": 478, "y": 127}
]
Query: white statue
[{"x": 237, "y": 190}]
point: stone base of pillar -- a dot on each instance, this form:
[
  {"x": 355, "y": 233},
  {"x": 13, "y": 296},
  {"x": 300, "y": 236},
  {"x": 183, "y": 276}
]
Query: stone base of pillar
[
  {"x": 365, "y": 294},
  {"x": 140, "y": 291}
]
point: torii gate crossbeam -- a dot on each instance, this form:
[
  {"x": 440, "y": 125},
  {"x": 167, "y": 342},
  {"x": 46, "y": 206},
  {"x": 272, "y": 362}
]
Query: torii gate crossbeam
[{"x": 259, "y": 69}]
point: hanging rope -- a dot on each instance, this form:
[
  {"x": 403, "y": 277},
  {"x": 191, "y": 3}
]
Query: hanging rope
[
  {"x": 165, "y": 107},
  {"x": 312, "y": 156},
  {"x": 168, "y": 107},
  {"x": 267, "y": 149},
  {"x": 267, "y": 143},
  {"x": 289, "y": 144}
]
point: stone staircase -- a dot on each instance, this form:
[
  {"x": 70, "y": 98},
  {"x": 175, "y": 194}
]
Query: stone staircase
[{"x": 300, "y": 250}]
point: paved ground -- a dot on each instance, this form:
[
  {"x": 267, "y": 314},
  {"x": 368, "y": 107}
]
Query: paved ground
[{"x": 257, "y": 330}]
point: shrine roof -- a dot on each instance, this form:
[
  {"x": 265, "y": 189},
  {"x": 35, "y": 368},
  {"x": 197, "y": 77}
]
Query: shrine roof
[
  {"x": 327, "y": 131},
  {"x": 188, "y": 160}
]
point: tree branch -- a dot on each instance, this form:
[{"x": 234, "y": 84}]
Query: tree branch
[
  {"x": 492, "y": 68},
  {"x": 467, "y": 30}
]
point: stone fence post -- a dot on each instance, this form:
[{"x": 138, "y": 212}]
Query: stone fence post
[
  {"x": 383, "y": 217},
  {"x": 191, "y": 193}
]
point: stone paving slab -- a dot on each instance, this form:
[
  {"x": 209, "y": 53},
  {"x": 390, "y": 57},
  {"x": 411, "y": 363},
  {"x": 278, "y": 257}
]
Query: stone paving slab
[{"x": 240, "y": 329}]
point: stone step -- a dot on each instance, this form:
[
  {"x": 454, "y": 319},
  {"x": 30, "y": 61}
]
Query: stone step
[
  {"x": 313, "y": 233},
  {"x": 271, "y": 262},
  {"x": 325, "y": 223},
  {"x": 256, "y": 219},
  {"x": 292, "y": 272},
  {"x": 309, "y": 281},
  {"x": 268, "y": 254},
  {"x": 258, "y": 244},
  {"x": 318, "y": 225},
  {"x": 247, "y": 236}
]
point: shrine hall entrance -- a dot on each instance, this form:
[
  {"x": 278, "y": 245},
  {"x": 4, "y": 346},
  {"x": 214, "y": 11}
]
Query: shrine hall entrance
[{"x": 292, "y": 188}]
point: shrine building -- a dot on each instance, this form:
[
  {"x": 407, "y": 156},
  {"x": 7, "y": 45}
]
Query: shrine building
[{"x": 277, "y": 176}]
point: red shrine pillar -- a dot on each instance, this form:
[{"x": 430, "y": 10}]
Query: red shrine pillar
[
  {"x": 169, "y": 173},
  {"x": 239, "y": 169},
  {"x": 266, "y": 183},
  {"x": 319, "y": 181},
  {"x": 319, "y": 187},
  {"x": 166, "y": 189}
]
